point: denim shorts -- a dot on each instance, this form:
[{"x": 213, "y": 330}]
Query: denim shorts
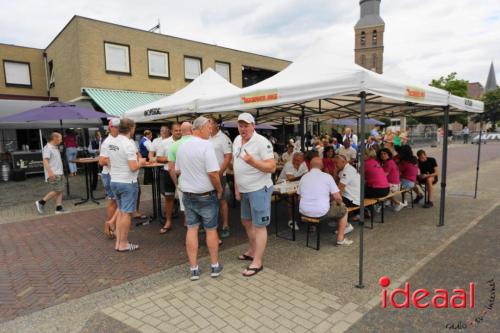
[
  {"x": 126, "y": 196},
  {"x": 256, "y": 206},
  {"x": 407, "y": 184},
  {"x": 201, "y": 209},
  {"x": 106, "y": 182}
]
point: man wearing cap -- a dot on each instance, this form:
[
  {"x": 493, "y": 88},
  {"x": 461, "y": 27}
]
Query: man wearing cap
[
  {"x": 202, "y": 190},
  {"x": 111, "y": 209},
  {"x": 254, "y": 163},
  {"x": 223, "y": 151}
]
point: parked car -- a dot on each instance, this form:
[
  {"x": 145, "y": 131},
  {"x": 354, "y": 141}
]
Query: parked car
[{"x": 486, "y": 137}]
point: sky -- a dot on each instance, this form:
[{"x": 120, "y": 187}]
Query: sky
[{"x": 425, "y": 38}]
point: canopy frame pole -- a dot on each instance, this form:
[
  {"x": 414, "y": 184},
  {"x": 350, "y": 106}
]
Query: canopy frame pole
[
  {"x": 302, "y": 135},
  {"x": 361, "y": 164},
  {"x": 41, "y": 138},
  {"x": 444, "y": 166},
  {"x": 283, "y": 132},
  {"x": 478, "y": 154}
]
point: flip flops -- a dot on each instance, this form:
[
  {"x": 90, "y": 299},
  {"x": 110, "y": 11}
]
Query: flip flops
[
  {"x": 243, "y": 257},
  {"x": 254, "y": 271},
  {"x": 165, "y": 230},
  {"x": 130, "y": 247}
]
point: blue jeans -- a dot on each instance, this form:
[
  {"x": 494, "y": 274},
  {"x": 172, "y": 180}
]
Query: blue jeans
[
  {"x": 126, "y": 196},
  {"x": 407, "y": 184},
  {"x": 106, "y": 182},
  {"x": 202, "y": 209},
  {"x": 71, "y": 153},
  {"x": 256, "y": 206}
]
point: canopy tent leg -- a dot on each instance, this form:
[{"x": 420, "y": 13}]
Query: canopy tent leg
[
  {"x": 361, "y": 164},
  {"x": 478, "y": 155},
  {"x": 41, "y": 138},
  {"x": 444, "y": 167},
  {"x": 283, "y": 132},
  {"x": 302, "y": 136}
]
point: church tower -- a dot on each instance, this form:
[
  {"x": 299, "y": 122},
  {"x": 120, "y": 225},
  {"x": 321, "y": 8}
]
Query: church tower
[{"x": 369, "y": 32}]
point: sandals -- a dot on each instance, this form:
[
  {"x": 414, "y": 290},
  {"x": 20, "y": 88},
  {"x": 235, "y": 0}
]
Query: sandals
[
  {"x": 141, "y": 217},
  {"x": 254, "y": 271},
  {"x": 165, "y": 230},
  {"x": 245, "y": 257},
  {"x": 130, "y": 247}
]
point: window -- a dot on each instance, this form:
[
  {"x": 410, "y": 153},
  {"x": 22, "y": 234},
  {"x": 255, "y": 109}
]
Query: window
[
  {"x": 117, "y": 58},
  {"x": 52, "y": 78},
  {"x": 363, "y": 38},
  {"x": 192, "y": 68},
  {"x": 223, "y": 69},
  {"x": 374, "y": 60},
  {"x": 17, "y": 74},
  {"x": 363, "y": 60},
  {"x": 158, "y": 64},
  {"x": 374, "y": 38}
]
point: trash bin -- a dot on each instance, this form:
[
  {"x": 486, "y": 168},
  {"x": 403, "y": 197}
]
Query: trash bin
[{"x": 5, "y": 171}]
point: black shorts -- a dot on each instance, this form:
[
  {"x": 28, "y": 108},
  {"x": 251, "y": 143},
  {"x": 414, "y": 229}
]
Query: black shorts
[
  {"x": 167, "y": 186},
  {"x": 374, "y": 193},
  {"x": 348, "y": 203}
]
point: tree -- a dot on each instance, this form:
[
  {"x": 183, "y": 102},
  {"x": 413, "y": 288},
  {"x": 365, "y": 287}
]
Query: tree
[
  {"x": 491, "y": 101},
  {"x": 456, "y": 87}
]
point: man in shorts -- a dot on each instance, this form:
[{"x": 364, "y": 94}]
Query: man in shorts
[
  {"x": 320, "y": 197},
  {"x": 111, "y": 209},
  {"x": 53, "y": 168},
  {"x": 202, "y": 190},
  {"x": 223, "y": 151},
  {"x": 254, "y": 163}
]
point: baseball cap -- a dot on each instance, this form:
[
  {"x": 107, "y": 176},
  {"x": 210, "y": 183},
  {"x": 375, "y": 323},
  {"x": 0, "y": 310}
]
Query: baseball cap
[
  {"x": 246, "y": 117},
  {"x": 114, "y": 122}
]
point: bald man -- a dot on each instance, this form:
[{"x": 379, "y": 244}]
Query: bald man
[
  {"x": 320, "y": 197},
  {"x": 187, "y": 134}
]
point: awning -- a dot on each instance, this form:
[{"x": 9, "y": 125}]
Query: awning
[{"x": 117, "y": 102}]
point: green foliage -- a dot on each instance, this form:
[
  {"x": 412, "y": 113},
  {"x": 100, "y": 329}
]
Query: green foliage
[
  {"x": 491, "y": 101},
  {"x": 386, "y": 121},
  {"x": 452, "y": 84}
]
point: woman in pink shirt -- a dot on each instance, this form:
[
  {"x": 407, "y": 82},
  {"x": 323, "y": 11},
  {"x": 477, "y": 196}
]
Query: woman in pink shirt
[
  {"x": 391, "y": 170},
  {"x": 408, "y": 167},
  {"x": 376, "y": 183}
]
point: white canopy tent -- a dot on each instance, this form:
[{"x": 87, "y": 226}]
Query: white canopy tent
[{"x": 207, "y": 84}]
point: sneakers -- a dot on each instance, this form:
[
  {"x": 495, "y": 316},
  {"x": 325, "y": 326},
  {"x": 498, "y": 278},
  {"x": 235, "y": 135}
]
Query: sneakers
[
  {"x": 345, "y": 241},
  {"x": 39, "y": 207},
  {"x": 417, "y": 199},
  {"x": 195, "y": 275},
  {"x": 378, "y": 209},
  {"x": 290, "y": 225},
  {"x": 216, "y": 271},
  {"x": 62, "y": 211},
  {"x": 225, "y": 233},
  {"x": 429, "y": 204},
  {"x": 349, "y": 228},
  {"x": 400, "y": 206}
]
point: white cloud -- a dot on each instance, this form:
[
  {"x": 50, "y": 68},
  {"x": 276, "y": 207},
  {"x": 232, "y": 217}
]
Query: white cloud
[{"x": 427, "y": 38}]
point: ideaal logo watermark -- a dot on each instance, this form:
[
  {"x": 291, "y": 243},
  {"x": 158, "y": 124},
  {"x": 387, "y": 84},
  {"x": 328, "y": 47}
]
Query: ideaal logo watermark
[{"x": 421, "y": 298}]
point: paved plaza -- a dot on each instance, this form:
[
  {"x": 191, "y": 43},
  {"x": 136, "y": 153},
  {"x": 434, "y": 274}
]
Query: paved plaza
[{"x": 59, "y": 274}]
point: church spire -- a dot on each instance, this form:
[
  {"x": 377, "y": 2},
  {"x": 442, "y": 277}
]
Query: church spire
[
  {"x": 491, "y": 82},
  {"x": 369, "y": 34}
]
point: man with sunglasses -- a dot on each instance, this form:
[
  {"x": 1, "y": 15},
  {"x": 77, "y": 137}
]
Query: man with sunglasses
[{"x": 253, "y": 161}]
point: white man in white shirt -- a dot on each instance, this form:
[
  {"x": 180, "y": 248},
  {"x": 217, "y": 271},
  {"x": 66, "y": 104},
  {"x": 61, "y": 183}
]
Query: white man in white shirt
[
  {"x": 349, "y": 180},
  {"x": 292, "y": 171},
  {"x": 320, "y": 198},
  {"x": 287, "y": 155},
  {"x": 348, "y": 134},
  {"x": 254, "y": 163},
  {"x": 111, "y": 209},
  {"x": 167, "y": 186},
  {"x": 348, "y": 151},
  {"x": 197, "y": 164},
  {"x": 223, "y": 151},
  {"x": 124, "y": 168},
  {"x": 155, "y": 144},
  {"x": 53, "y": 168}
]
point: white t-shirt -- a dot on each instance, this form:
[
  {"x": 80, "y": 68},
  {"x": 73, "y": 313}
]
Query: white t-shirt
[
  {"x": 314, "y": 189},
  {"x": 289, "y": 169},
  {"x": 350, "y": 153},
  {"x": 287, "y": 157},
  {"x": 163, "y": 147},
  {"x": 349, "y": 176},
  {"x": 105, "y": 151},
  {"x": 155, "y": 145},
  {"x": 195, "y": 161},
  {"x": 222, "y": 145},
  {"x": 120, "y": 151},
  {"x": 52, "y": 153},
  {"x": 248, "y": 178}
]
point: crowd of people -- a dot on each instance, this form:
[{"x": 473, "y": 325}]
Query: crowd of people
[{"x": 196, "y": 156}]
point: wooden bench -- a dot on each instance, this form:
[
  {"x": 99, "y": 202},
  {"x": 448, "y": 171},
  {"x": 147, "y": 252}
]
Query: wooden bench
[{"x": 316, "y": 221}]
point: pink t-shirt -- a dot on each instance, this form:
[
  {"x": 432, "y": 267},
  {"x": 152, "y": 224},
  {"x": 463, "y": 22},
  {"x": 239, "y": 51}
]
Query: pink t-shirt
[
  {"x": 375, "y": 175},
  {"x": 392, "y": 171},
  {"x": 408, "y": 171}
]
